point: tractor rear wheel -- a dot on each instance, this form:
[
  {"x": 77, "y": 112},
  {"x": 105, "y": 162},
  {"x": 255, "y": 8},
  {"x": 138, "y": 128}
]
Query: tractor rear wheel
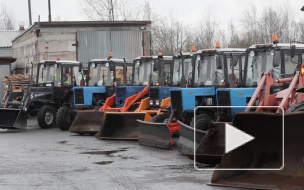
[
  {"x": 46, "y": 117},
  {"x": 160, "y": 118},
  {"x": 64, "y": 118},
  {"x": 202, "y": 121},
  {"x": 297, "y": 107}
]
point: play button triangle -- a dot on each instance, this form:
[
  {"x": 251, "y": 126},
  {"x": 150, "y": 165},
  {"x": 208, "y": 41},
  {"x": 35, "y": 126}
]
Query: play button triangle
[{"x": 235, "y": 138}]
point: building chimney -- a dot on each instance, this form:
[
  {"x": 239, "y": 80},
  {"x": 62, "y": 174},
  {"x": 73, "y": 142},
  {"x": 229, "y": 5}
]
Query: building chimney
[{"x": 21, "y": 25}]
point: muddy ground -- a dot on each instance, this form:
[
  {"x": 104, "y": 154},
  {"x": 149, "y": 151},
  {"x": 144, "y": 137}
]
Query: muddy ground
[{"x": 52, "y": 159}]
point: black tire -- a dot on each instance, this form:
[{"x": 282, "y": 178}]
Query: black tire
[
  {"x": 202, "y": 121},
  {"x": 296, "y": 107},
  {"x": 65, "y": 118},
  {"x": 46, "y": 117},
  {"x": 160, "y": 118}
]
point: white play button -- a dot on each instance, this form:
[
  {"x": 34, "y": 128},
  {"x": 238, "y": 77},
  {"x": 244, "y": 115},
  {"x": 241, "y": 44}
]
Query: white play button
[{"x": 235, "y": 138}]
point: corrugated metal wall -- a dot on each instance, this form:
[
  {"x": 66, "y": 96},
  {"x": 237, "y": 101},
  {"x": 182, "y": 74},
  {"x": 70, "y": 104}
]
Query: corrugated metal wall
[
  {"x": 6, "y": 52},
  {"x": 97, "y": 44}
]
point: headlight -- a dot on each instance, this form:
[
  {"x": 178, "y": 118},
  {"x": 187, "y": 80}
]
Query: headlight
[
  {"x": 55, "y": 65},
  {"x": 157, "y": 102},
  {"x": 93, "y": 65},
  {"x": 137, "y": 62},
  {"x": 25, "y": 109},
  {"x": 151, "y": 102},
  {"x": 198, "y": 57},
  {"x": 152, "y": 62},
  {"x": 209, "y": 102},
  {"x": 107, "y": 64}
]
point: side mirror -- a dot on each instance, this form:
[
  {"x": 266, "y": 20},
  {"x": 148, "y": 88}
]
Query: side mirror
[
  {"x": 276, "y": 59},
  {"x": 235, "y": 61},
  {"x": 292, "y": 51},
  {"x": 218, "y": 61},
  {"x": 156, "y": 66},
  {"x": 80, "y": 67}
]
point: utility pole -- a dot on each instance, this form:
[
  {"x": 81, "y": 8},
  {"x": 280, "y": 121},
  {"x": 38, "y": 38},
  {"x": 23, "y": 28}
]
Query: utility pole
[
  {"x": 50, "y": 15},
  {"x": 30, "y": 12}
]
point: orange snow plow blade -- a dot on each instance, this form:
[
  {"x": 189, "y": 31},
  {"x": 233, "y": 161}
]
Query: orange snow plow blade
[
  {"x": 120, "y": 125},
  {"x": 87, "y": 122},
  {"x": 266, "y": 152}
]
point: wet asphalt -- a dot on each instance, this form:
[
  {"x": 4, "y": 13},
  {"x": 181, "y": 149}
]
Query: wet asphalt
[{"x": 37, "y": 158}]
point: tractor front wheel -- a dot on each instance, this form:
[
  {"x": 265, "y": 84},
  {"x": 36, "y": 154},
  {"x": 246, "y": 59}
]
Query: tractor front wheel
[
  {"x": 46, "y": 117},
  {"x": 202, "y": 121},
  {"x": 65, "y": 117}
]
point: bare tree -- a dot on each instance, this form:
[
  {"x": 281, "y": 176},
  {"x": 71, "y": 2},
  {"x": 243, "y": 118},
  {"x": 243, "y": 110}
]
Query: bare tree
[
  {"x": 169, "y": 36},
  {"x": 7, "y": 21},
  {"x": 234, "y": 41},
  {"x": 111, "y": 10}
]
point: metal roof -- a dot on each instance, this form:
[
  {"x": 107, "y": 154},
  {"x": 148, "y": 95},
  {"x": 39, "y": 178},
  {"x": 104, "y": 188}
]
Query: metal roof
[
  {"x": 114, "y": 60},
  {"x": 154, "y": 57},
  {"x": 281, "y": 45},
  {"x": 60, "y": 61},
  {"x": 6, "y": 37},
  {"x": 66, "y": 24},
  {"x": 222, "y": 50}
]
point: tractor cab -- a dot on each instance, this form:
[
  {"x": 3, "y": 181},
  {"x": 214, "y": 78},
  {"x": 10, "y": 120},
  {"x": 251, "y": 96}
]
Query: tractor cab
[
  {"x": 219, "y": 67},
  {"x": 109, "y": 72},
  {"x": 274, "y": 58},
  {"x": 60, "y": 73},
  {"x": 182, "y": 70},
  {"x": 151, "y": 69}
]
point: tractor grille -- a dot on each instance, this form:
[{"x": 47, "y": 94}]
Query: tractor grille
[
  {"x": 223, "y": 98},
  {"x": 154, "y": 93},
  {"x": 79, "y": 98},
  {"x": 121, "y": 92},
  {"x": 176, "y": 100}
]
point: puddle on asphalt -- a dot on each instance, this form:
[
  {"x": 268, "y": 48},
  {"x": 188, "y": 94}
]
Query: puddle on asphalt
[
  {"x": 62, "y": 142},
  {"x": 103, "y": 162},
  {"x": 108, "y": 152}
]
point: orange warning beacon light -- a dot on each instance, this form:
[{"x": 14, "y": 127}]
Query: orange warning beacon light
[
  {"x": 275, "y": 39},
  {"x": 193, "y": 48},
  {"x": 302, "y": 69},
  {"x": 217, "y": 45}
]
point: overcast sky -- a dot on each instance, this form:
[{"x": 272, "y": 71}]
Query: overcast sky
[{"x": 188, "y": 11}]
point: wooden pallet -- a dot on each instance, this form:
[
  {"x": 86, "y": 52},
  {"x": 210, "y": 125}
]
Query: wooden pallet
[{"x": 17, "y": 78}]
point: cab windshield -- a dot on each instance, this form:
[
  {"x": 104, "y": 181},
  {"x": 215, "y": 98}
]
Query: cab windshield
[
  {"x": 100, "y": 75},
  {"x": 237, "y": 63},
  {"x": 144, "y": 73},
  {"x": 206, "y": 72},
  {"x": 49, "y": 73},
  {"x": 259, "y": 62},
  {"x": 177, "y": 70}
]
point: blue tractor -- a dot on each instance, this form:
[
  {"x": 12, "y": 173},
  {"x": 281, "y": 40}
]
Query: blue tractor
[
  {"x": 149, "y": 71},
  {"x": 275, "y": 59},
  {"x": 212, "y": 71},
  {"x": 102, "y": 77}
]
